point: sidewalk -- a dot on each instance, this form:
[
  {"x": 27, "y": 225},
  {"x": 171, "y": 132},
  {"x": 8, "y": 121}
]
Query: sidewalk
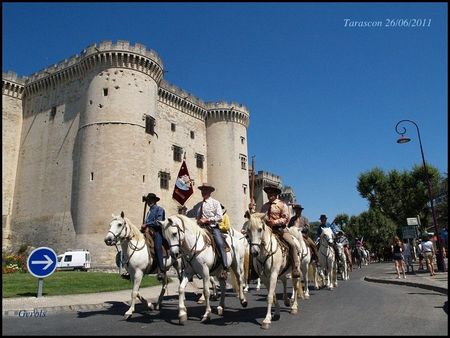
[
  {"x": 379, "y": 273},
  {"x": 385, "y": 273}
]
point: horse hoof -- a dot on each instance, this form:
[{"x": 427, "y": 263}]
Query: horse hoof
[
  {"x": 306, "y": 296},
  {"x": 220, "y": 311},
  {"x": 182, "y": 320},
  {"x": 244, "y": 303},
  {"x": 151, "y": 307},
  {"x": 294, "y": 311},
  {"x": 126, "y": 317},
  {"x": 204, "y": 320},
  {"x": 276, "y": 317},
  {"x": 265, "y": 326}
]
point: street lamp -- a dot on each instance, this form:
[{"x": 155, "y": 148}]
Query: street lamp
[{"x": 440, "y": 257}]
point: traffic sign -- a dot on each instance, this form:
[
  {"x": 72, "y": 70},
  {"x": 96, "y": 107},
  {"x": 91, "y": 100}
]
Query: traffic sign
[
  {"x": 412, "y": 221},
  {"x": 41, "y": 262},
  {"x": 409, "y": 232}
]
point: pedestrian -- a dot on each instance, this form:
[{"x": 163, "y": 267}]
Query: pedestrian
[
  {"x": 429, "y": 254},
  {"x": 420, "y": 254},
  {"x": 407, "y": 255},
  {"x": 277, "y": 217},
  {"x": 209, "y": 215},
  {"x": 155, "y": 213},
  {"x": 397, "y": 255}
]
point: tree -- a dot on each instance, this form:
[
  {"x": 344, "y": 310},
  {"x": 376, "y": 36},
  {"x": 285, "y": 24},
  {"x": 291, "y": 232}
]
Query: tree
[{"x": 399, "y": 195}]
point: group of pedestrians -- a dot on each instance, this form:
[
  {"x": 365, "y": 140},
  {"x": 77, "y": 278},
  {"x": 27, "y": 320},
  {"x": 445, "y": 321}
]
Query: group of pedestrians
[{"x": 403, "y": 256}]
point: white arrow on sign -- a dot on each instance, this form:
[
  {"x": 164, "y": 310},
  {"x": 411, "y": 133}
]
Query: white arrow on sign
[{"x": 48, "y": 262}]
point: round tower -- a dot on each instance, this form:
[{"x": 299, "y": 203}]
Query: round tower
[
  {"x": 227, "y": 157},
  {"x": 114, "y": 139}
]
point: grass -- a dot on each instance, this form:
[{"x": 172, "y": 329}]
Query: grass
[{"x": 21, "y": 284}]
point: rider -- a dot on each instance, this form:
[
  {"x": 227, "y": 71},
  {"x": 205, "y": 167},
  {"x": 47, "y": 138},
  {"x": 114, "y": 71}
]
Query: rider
[
  {"x": 277, "y": 218},
  {"x": 210, "y": 213},
  {"x": 302, "y": 223},
  {"x": 155, "y": 213},
  {"x": 334, "y": 228}
]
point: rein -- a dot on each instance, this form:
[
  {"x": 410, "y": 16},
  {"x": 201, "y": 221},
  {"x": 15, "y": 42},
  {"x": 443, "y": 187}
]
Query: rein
[{"x": 127, "y": 237}]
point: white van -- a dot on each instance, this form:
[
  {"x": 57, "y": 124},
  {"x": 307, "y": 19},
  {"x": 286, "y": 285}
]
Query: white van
[{"x": 77, "y": 259}]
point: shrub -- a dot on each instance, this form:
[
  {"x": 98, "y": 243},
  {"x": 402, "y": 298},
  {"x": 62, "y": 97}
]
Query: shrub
[{"x": 14, "y": 263}]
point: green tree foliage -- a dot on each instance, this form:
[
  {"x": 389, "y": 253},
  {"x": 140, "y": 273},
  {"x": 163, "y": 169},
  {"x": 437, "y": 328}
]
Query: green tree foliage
[
  {"x": 442, "y": 203},
  {"x": 399, "y": 195}
]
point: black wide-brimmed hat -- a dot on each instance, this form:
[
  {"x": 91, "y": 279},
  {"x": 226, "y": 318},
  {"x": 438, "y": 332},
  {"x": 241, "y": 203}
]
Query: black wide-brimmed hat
[
  {"x": 323, "y": 217},
  {"x": 152, "y": 196},
  {"x": 271, "y": 188},
  {"x": 297, "y": 206},
  {"x": 207, "y": 186}
]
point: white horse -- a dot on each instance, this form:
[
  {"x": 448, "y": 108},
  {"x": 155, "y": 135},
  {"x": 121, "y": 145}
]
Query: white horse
[
  {"x": 193, "y": 242},
  {"x": 342, "y": 261},
  {"x": 305, "y": 262},
  {"x": 327, "y": 257},
  {"x": 271, "y": 263},
  {"x": 137, "y": 258}
]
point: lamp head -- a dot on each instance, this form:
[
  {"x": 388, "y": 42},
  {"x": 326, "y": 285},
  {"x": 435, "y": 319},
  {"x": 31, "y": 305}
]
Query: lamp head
[{"x": 403, "y": 139}]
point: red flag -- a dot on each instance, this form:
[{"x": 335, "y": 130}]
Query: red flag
[{"x": 183, "y": 185}]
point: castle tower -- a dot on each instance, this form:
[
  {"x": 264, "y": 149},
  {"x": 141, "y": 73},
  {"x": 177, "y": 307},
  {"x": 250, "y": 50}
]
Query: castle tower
[
  {"x": 13, "y": 88},
  {"x": 226, "y": 133},
  {"x": 114, "y": 143}
]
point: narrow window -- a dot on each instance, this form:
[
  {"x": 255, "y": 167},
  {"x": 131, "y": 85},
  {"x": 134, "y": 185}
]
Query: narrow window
[
  {"x": 242, "y": 140},
  {"x": 173, "y": 126},
  {"x": 244, "y": 186},
  {"x": 149, "y": 125},
  {"x": 92, "y": 176},
  {"x": 177, "y": 153},
  {"x": 243, "y": 159},
  {"x": 199, "y": 159},
  {"x": 105, "y": 91},
  {"x": 52, "y": 113},
  {"x": 143, "y": 178},
  {"x": 164, "y": 180},
  {"x": 192, "y": 135}
]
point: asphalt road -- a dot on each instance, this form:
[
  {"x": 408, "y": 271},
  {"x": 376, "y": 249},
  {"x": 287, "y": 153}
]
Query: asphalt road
[{"x": 356, "y": 307}]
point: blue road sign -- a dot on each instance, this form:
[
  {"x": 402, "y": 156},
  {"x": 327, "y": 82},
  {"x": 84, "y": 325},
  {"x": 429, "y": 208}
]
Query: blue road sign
[{"x": 41, "y": 262}]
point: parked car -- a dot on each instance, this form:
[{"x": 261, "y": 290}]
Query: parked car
[{"x": 78, "y": 259}]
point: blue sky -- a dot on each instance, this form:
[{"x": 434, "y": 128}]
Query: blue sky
[{"x": 323, "y": 98}]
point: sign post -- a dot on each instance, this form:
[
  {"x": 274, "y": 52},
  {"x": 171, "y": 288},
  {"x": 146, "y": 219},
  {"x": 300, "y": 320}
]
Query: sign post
[{"x": 41, "y": 263}]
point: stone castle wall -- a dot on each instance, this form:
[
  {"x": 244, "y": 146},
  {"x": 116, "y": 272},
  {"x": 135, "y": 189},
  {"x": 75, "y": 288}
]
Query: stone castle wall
[{"x": 84, "y": 153}]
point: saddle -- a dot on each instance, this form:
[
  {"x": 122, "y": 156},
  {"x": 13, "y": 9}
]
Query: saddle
[{"x": 149, "y": 235}]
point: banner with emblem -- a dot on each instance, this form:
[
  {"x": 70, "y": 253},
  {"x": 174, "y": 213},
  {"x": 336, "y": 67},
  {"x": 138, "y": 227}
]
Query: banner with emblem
[{"x": 183, "y": 185}]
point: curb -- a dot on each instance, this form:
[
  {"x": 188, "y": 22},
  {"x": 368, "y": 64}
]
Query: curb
[{"x": 413, "y": 284}]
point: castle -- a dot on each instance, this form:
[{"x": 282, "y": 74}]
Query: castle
[{"x": 89, "y": 136}]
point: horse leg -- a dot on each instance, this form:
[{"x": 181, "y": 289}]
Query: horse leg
[
  {"x": 239, "y": 276},
  {"x": 221, "y": 306},
  {"x": 206, "y": 293},
  {"x": 287, "y": 301},
  {"x": 305, "y": 268},
  {"x": 136, "y": 277},
  {"x": 334, "y": 274},
  {"x": 165, "y": 282},
  {"x": 270, "y": 284},
  {"x": 214, "y": 288},
  {"x": 294, "y": 305},
  {"x": 182, "y": 311},
  {"x": 258, "y": 284}
]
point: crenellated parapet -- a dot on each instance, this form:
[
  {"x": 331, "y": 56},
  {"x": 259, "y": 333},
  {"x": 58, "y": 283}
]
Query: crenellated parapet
[
  {"x": 181, "y": 100},
  {"x": 264, "y": 178},
  {"x": 13, "y": 85},
  {"x": 225, "y": 111},
  {"x": 105, "y": 54}
]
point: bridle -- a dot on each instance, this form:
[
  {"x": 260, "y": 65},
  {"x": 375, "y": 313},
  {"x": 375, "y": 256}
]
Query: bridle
[{"x": 128, "y": 236}]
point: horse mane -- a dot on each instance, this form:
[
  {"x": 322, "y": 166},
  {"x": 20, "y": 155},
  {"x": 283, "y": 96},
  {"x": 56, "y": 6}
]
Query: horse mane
[
  {"x": 134, "y": 230},
  {"x": 191, "y": 224}
]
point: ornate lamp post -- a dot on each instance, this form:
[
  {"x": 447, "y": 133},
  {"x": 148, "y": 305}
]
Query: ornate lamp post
[{"x": 403, "y": 139}]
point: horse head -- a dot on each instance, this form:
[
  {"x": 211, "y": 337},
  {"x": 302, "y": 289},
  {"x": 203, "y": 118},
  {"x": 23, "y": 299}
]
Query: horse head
[
  {"x": 255, "y": 230},
  {"x": 173, "y": 232},
  {"x": 117, "y": 230},
  {"x": 327, "y": 236}
]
